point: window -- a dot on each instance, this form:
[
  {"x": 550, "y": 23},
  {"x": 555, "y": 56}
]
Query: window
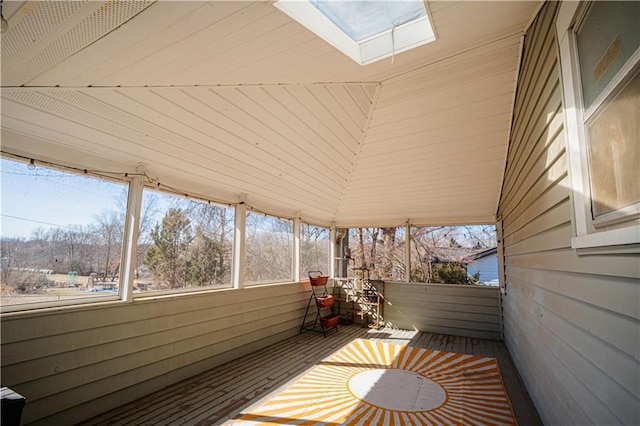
[
  {"x": 183, "y": 244},
  {"x": 600, "y": 58},
  {"x": 61, "y": 235},
  {"x": 366, "y": 31},
  {"x": 314, "y": 250},
  {"x": 449, "y": 254},
  {"x": 268, "y": 249},
  {"x": 380, "y": 250}
]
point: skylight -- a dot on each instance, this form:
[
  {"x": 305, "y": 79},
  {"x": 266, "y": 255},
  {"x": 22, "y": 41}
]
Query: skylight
[{"x": 365, "y": 30}]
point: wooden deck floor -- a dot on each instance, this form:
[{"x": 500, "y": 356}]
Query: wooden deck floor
[{"x": 216, "y": 396}]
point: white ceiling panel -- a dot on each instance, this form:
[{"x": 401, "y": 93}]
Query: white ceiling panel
[{"x": 233, "y": 99}]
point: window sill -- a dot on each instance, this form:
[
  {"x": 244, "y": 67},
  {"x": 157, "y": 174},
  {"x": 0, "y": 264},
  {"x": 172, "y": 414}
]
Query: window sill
[{"x": 624, "y": 240}]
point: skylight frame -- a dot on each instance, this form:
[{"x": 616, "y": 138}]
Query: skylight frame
[{"x": 375, "y": 48}]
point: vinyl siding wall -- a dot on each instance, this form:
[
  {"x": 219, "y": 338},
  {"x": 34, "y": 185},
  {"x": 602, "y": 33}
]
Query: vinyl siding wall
[
  {"x": 488, "y": 268},
  {"x": 459, "y": 310},
  {"x": 571, "y": 322},
  {"x": 76, "y": 363}
]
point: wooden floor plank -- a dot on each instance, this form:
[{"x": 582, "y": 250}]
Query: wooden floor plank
[{"x": 215, "y": 396}]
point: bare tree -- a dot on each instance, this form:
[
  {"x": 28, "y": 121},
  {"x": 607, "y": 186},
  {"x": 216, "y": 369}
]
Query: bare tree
[{"x": 110, "y": 228}]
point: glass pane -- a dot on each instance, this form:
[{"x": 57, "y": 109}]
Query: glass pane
[
  {"x": 183, "y": 244},
  {"x": 268, "y": 249},
  {"x": 606, "y": 40},
  {"x": 363, "y": 19},
  {"x": 614, "y": 150},
  {"x": 61, "y": 234},
  {"x": 446, "y": 254},
  {"x": 314, "y": 250}
]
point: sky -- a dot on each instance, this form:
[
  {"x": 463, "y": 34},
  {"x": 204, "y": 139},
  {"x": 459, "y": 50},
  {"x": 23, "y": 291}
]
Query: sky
[{"x": 44, "y": 198}]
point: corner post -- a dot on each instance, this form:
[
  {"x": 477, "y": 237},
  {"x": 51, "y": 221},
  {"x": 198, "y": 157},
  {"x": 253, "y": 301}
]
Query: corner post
[
  {"x": 131, "y": 230},
  {"x": 237, "y": 273}
]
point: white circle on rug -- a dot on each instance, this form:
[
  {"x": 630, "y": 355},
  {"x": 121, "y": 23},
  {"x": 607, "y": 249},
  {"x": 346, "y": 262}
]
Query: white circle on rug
[{"x": 395, "y": 389}]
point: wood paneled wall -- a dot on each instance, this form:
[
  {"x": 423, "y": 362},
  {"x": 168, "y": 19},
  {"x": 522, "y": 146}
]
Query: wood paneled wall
[
  {"x": 571, "y": 322},
  {"x": 460, "y": 310},
  {"x": 73, "y": 364}
]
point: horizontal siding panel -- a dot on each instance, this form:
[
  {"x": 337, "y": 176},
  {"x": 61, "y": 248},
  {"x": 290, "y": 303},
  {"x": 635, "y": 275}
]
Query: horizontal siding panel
[
  {"x": 135, "y": 364},
  {"x": 546, "y": 146},
  {"x": 555, "y": 195},
  {"x": 558, "y": 396},
  {"x": 550, "y": 239},
  {"x": 609, "y": 293},
  {"x": 409, "y": 290},
  {"x": 454, "y": 317},
  {"x": 609, "y": 402},
  {"x": 553, "y": 218},
  {"x": 459, "y": 310},
  {"x": 605, "y": 292},
  {"x": 67, "y": 358},
  {"x": 545, "y": 101},
  {"x": 147, "y": 308},
  {"x": 483, "y": 311},
  {"x": 544, "y": 167},
  {"x": 187, "y": 334},
  {"x": 566, "y": 260},
  {"x": 601, "y": 324},
  {"x": 556, "y": 173}
]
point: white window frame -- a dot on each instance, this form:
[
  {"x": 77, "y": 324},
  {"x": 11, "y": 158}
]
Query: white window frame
[
  {"x": 589, "y": 234},
  {"x": 125, "y": 278},
  {"x": 375, "y": 48}
]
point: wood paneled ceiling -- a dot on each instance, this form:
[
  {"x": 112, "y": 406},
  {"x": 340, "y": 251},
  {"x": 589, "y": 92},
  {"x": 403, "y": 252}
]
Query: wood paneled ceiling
[{"x": 231, "y": 99}]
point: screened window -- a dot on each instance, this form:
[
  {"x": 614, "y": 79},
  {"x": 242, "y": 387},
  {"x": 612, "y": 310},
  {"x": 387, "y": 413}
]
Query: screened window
[
  {"x": 448, "y": 254},
  {"x": 379, "y": 251},
  {"x": 268, "y": 249},
  {"x": 314, "y": 250},
  {"x": 61, "y": 235},
  {"x": 183, "y": 244}
]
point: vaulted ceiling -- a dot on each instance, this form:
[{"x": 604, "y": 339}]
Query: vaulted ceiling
[{"x": 232, "y": 99}]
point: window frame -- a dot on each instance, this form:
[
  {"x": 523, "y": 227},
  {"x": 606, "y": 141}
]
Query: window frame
[
  {"x": 385, "y": 44},
  {"x": 247, "y": 266},
  {"x": 120, "y": 295},
  {"x": 612, "y": 231},
  {"x": 143, "y": 295}
]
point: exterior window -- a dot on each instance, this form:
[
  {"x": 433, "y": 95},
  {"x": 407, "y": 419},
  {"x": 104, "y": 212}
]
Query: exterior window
[
  {"x": 314, "y": 250},
  {"x": 600, "y": 58},
  {"x": 61, "y": 236},
  {"x": 268, "y": 249},
  {"x": 183, "y": 244},
  {"x": 606, "y": 40}
]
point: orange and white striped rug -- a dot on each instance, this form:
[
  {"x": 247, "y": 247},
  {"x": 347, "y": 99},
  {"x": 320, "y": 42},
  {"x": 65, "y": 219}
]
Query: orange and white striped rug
[{"x": 374, "y": 383}]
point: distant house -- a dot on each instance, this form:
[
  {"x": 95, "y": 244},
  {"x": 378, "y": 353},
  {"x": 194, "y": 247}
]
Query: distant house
[{"x": 486, "y": 263}]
